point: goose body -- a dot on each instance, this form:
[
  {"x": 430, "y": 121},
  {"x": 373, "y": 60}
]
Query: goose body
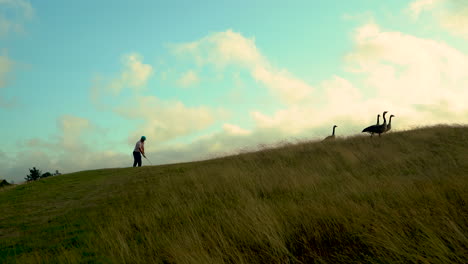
[{"x": 370, "y": 129}]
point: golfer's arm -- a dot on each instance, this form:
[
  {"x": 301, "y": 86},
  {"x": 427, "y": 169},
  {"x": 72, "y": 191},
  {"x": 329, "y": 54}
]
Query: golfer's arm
[{"x": 142, "y": 150}]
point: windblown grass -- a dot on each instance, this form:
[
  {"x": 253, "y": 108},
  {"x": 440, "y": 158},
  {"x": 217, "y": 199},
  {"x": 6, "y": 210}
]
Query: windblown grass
[{"x": 401, "y": 198}]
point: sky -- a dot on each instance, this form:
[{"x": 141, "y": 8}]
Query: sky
[{"x": 82, "y": 81}]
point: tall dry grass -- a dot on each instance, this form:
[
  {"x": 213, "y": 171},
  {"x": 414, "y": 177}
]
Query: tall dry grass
[{"x": 398, "y": 198}]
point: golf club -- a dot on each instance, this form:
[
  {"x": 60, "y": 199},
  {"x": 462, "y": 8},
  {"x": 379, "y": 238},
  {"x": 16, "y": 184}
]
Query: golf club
[{"x": 148, "y": 160}]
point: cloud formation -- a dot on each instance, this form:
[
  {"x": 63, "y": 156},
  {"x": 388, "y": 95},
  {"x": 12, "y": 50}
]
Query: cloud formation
[
  {"x": 452, "y": 15},
  {"x": 416, "y": 7},
  {"x": 160, "y": 119},
  {"x": 164, "y": 119},
  {"x": 406, "y": 70},
  {"x": 422, "y": 81},
  {"x": 134, "y": 75},
  {"x": 188, "y": 78},
  {"x": 235, "y": 130},
  {"x": 227, "y": 48},
  {"x": 70, "y": 138}
]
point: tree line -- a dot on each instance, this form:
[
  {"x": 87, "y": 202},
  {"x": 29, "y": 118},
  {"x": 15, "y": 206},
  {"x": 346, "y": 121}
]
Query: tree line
[{"x": 35, "y": 174}]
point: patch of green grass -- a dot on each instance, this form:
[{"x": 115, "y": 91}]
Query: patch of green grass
[{"x": 401, "y": 198}]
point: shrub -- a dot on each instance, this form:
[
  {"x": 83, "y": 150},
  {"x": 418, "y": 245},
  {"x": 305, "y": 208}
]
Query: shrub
[{"x": 34, "y": 174}]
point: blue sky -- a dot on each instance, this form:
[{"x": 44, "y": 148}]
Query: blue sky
[{"x": 80, "y": 81}]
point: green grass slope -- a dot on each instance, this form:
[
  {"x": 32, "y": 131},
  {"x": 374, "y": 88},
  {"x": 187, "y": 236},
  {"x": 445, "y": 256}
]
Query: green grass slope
[{"x": 401, "y": 198}]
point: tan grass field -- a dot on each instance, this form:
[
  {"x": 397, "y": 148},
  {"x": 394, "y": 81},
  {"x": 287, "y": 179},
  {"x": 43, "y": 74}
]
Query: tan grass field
[{"x": 401, "y": 198}]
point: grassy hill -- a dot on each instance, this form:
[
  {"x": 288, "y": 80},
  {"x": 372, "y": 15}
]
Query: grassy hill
[{"x": 401, "y": 198}]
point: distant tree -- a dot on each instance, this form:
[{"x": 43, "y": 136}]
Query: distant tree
[
  {"x": 3, "y": 183},
  {"x": 57, "y": 173},
  {"x": 45, "y": 175},
  {"x": 34, "y": 174}
]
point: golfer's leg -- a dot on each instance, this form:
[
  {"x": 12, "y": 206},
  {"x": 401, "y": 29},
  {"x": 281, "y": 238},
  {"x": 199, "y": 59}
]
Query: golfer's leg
[
  {"x": 139, "y": 159},
  {"x": 134, "y": 159}
]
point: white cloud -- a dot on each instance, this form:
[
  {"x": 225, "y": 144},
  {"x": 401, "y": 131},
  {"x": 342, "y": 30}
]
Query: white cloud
[
  {"x": 187, "y": 79},
  {"x": 456, "y": 22},
  {"x": 72, "y": 129},
  {"x": 70, "y": 139},
  {"x": 292, "y": 120},
  {"x": 230, "y": 48},
  {"x": 288, "y": 87},
  {"x": 162, "y": 119},
  {"x": 452, "y": 15},
  {"x": 165, "y": 120},
  {"x": 407, "y": 69},
  {"x": 222, "y": 49},
  {"x": 134, "y": 75},
  {"x": 416, "y": 7},
  {"x": 235, "y": 130}
]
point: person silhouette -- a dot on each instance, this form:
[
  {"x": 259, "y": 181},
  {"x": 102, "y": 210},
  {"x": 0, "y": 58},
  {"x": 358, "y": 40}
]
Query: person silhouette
[{"x": 138, "y": 151}]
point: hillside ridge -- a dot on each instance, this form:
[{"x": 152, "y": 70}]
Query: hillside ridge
[{"x": 398, "y": 198}]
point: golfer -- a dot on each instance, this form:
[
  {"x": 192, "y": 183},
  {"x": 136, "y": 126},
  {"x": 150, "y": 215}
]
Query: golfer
[{"x": 138, "y": 151}]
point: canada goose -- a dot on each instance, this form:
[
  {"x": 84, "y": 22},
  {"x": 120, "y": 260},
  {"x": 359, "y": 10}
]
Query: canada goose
[
  {"x": 379, "y": 129},
  {"x": 333, "y": 134},
  {"x": 389, "y": 126},
  {"x": 383, "y": 127}
]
